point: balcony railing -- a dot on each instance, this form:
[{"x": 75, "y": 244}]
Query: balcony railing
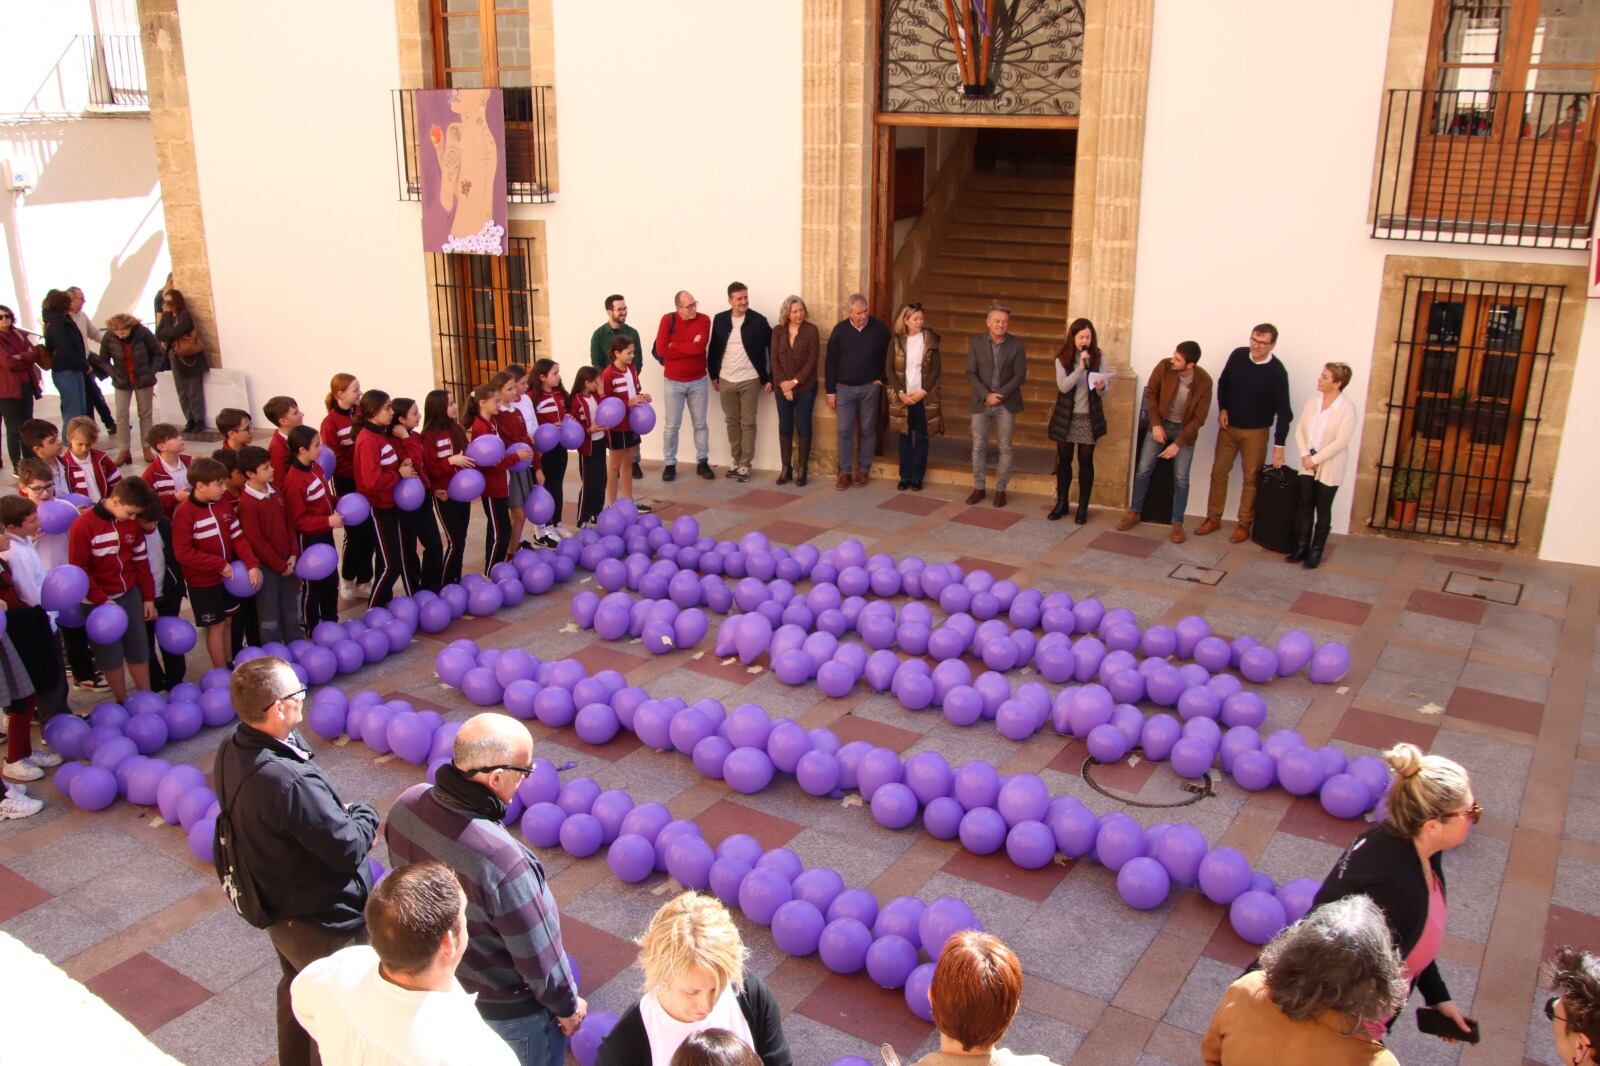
[
  {"x": 115, "y": 66},
  {"x": 1494, "y": 168},
  {"x": 527, "y": 144}
]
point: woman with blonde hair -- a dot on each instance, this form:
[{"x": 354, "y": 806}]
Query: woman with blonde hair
[
  {"x": 1324, "y": 431},
  {"x": 1398, "y": 864},
  {"x": 912, "y": 381},
  {"x": 694, "y": 980},
  {"x": 795, "y": 344}
]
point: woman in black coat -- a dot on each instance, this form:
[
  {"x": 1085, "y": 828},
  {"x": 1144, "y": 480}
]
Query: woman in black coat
[
  {"x": 188, "y": 371},
  {"x": 1077, "y": 420},
  {"x": 1428, "y": 810},
  {"x": 694, "y": 979},
  {"x": 69, "y": 360}
]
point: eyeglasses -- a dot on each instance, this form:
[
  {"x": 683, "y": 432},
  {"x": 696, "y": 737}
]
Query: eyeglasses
[
  {"x": 1475, "y": 812},
  {"x": 1550, "y": 1009},
  {"x": 297, "y": 695},
  {"x": 523, "y": 770},
  {"x": 7, "y": 318}
]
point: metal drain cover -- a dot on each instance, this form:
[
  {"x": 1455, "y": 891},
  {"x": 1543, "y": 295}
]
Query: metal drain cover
[
  {"x": 1200, "y": 575},
  {"x": 1478, "y": 587},
  {"x": 1197, "y": 790}
]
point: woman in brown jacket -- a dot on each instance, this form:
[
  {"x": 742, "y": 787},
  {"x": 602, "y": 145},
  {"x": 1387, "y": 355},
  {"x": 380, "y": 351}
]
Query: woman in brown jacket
[
  {"x": 795, "y": 343},
  {"x": 912, "y": 382}
]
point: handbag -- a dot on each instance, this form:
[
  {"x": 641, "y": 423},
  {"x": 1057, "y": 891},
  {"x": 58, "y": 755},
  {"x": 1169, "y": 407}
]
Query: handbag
[
  {"x": 187, "y": 350},
  {"x": 42, "y": 356},
  {"x": 1277, "y": 494}
]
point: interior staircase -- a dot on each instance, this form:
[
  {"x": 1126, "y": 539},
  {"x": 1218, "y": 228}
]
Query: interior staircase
[{"x": 1008, "y": 241}]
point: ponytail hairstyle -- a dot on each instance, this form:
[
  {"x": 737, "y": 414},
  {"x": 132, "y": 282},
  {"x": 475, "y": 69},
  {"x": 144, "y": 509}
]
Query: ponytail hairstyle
[
  {"x": 580, "y": 380},
  {"x": 338, "y": 384},
  {"x": 367, "y": 407},
  {"x": 300, "y": 438},
  {"x": 402, "y": 407},
  {"x": 486, "y": 391},
  {"x": 1424, "y": 787},
  {"x": 1068, "y": 355},
  {"x": 436, "y": 419}
]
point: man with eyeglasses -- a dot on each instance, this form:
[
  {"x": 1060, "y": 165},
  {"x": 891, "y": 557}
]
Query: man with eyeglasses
[
  {"x": 600, "y": 346},
  {"x": 303, "y": 848},
  {"x": 680, "y": 348},
  {"x": 515, "y": 963},
  {"x": 1574, "y": 1010},
  {"x": 1252, "y": 404}
]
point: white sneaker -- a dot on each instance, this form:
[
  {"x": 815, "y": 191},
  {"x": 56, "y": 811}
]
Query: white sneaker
[
  {"x": 23, "y": 770},
  {"x": 14, "y": 806},
  {"x": 16, "y": 790},
  {"x": 347, "y": 590},
  {"x": 45, "y": 759}
]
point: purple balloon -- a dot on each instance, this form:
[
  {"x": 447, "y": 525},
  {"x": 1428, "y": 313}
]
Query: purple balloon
[
  {"x": 917, "y": 986},
  {"x": 631, "y": 858},
  {"x": 1254, "y": 770},
  {"x": 1031, "y": 845},
  {"x": 843, "y": 945},
  {"x": 763, "y": 891},
  {"x": 1143, "y": 883},
  {"x": 899, "y": 917},
  {"x": 797, "y": 927},
  {"x": 642, "y": 419},
  {"x": 983, "y": 831},
  {"x": 818, "y": 773},
  {"x": 64, "y": 588},
  {"x": 890, "y": 960},
  {"x": 1345, "y": 796},
  {"x": 410, "y": 494},
  {"x": 747, "y": 770},
  {"x": 465, "y": 485},
  {"x": 1296, "y": 897},
  {"x": 894, "y": 805},
  {"x": 1192, "y": 757},
  {"x": 609, "y": 413},
  {"x": 1119, "y": 840},
  {"x": 1256, "y": 916},
  {"x": 976, "y": 784},
  {"x": 1244, "y": 708},
  {"x": 941, "y": 920},
  {"x": 1258, "y": 664},
  {"x": 1224, "y": 874},
  {"x": 1300, "y": 771},
  {"x": 1330, "y": 663},
  {"x": 1159, "y": 735}
]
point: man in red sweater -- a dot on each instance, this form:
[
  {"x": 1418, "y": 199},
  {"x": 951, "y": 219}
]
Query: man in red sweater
[
  {"x": 206, "y": 539},
  {"x": 107, "y": 543},
  {"x": 265, "y": 519},
  {"x": 680, "y": 348}
]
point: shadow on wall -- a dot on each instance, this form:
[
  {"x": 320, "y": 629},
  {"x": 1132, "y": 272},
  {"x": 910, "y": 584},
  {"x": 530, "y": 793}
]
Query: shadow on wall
[
  {"x": 132, "y": 276},
  {"x": 103, "y": 159}
]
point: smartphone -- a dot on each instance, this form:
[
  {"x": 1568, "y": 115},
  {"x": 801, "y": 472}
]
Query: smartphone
[{"x": 1433, "y": 1023}]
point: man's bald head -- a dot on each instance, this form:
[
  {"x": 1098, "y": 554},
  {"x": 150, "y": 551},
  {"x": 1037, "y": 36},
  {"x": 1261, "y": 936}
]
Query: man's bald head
[{"x": 492, "y": 740}]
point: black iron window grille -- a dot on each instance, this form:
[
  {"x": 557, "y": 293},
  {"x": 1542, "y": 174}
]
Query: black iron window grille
[
  {"x": 1466, "y": 396},
  {"x": 1487, "y": 167},
  {"x": 527, "y": 144},
  {"x": 483, "y": 315}
]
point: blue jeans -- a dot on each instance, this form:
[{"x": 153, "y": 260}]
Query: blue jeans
[
  {"x": 914, "y": 445},
  {"x": 535, "y": 1039},
  {"x": 698, "y": 394},
  {"x": 794, "y": 416},
  {"x": 1149, "y": 451},
  {"x": 857, "y": 405},
  {"x": 74, "y": 391}
]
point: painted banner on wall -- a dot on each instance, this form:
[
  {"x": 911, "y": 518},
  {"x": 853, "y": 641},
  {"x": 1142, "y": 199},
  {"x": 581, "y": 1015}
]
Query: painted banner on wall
[{"x": 462, "y": 149}]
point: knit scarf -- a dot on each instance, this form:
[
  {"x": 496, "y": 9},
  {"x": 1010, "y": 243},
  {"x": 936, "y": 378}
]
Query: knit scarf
[{"x": 469, "y": 794}]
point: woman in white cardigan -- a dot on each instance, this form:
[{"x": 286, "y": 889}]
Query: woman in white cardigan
[{"x": 1323, "y": 431}]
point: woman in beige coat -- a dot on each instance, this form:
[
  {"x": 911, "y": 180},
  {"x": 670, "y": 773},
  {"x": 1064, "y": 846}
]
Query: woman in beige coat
[
  {"x": 1323, "y": 431},
  {"x": 912, "y": 381}
]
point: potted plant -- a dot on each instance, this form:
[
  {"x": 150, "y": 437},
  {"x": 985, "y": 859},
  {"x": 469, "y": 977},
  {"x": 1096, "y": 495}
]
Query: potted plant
[{"x": 1409, "y": 482}]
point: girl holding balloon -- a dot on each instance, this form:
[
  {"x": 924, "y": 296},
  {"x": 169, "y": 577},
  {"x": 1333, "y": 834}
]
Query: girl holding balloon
[
  {"x": 309, "y": 496},
  {"x": 339, "y": 434},
  {"x": 416, "y": 523},
  {"x": 514, "y": 431},
  {"x": 550, "y": 404},
  {"x": 444, "y": 444},
  {"x": 482, "y": 418},
  {"x": 621, "y": 380},
  {"x": 592, "y": 452},
  {"x": 379, "y": 469}
]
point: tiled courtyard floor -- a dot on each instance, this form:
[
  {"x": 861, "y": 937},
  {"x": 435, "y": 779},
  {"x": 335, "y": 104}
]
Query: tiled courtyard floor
[{"x": 1510, "y": 691}]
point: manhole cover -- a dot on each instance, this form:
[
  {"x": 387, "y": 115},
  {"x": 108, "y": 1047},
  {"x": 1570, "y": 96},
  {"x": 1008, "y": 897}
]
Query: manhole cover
[
  {"x": 1194, "y": 791},
  {"x": 1478, "y": 587},
  {"x": 1200, "y": 575}
]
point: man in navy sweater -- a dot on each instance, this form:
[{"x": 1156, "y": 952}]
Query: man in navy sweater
[{"x": 1252, "y": 395}]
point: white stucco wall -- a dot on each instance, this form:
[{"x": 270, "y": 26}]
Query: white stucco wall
[
  {"x": 680, "y": 169},
  {"x": 1260, "y": 133},
  {"x": 316, "y": 267}
]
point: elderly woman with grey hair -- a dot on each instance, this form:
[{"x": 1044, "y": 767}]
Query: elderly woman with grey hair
[{"x": 1321, "y": 981}]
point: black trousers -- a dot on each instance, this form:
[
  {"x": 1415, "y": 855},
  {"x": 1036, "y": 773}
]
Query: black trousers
[
  {"x": 1313, "y": 517},
  {"x": 358, "y": 542},
  {"x": 37, "y": 647},
  {"x": 592, "y": 495},
  {"x": 497, "y": 530},
  {"x": 554, "y": 465},
  {"x": 391, "y": 567},
  {"x": 14, "y": 413},
  {"x": 914, "y": 445},
  {"x": 319, "y": 600},
  {"x": 80, "y": 660},
  {"x": 246, "y": 625},
  {"x": 1085, "y": 471},
  {"x": 299, "y": 945},
  {"x": 418, "y": 528},
  {"x": 453, "y": 519}
]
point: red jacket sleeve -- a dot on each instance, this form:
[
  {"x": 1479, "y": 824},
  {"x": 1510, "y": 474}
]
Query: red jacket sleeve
[
  {"x": 302, "y": 519},
  {"x": 191, "y": 560},
  {"x": 241, "y": 543},
  {"x": 78, "y": 554},
  {"x": 683, "y": 344},
  {"x": 250, "y": 518},
  {"x": 141, "y": 566},
  {"x": 371, "y": 477},
  {"x": 439, "y": 470}
]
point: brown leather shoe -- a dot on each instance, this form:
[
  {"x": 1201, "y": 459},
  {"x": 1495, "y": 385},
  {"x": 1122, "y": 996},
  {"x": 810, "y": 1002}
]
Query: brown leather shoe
[
  {"x": 976, "y": 497},
  {"x": 1128, "y": 520},
  {"x": 843, "y": 482},
  {"x": 861, "y": 477},
  {"x": 1177, "y": 533},
  {"x": 1241, "y": 533},
  {"x": 1000, "y": 498},
  {"x": 1206, "y": 528},
  {"x": 124, "y": 457},
  {"x": 149, "y": 457}
]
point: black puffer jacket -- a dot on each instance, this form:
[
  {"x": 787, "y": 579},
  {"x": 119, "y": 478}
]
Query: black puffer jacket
[
  {"x": 148, "y": 358},
  {"x": 305, "y": 850},
  {"x": 65, "y": 341}
]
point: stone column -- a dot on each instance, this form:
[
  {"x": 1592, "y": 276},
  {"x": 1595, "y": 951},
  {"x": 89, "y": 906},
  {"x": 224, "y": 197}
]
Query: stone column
[
  {"x": 838, "y": 69},
  {"x": 1105, "y": 216},
  {"x": 162, "y": 43}
]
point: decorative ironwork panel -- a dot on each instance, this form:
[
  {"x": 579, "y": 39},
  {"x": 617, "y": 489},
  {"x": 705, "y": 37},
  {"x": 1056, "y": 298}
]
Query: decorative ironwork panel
[{"x": 981, "y": 57}]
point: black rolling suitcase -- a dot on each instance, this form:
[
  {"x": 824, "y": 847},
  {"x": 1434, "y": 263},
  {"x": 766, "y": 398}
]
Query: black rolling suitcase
[{"x": 1276, "y": 492}]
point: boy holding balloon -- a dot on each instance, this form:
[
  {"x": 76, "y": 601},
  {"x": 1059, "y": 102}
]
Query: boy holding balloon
[
  {"x": 207, "y": 539},
  {"x": 265, "y": 520},
  {"x": 107, "y": 544}
]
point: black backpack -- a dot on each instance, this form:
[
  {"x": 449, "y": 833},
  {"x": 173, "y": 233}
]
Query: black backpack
[
  {"x": 672, "y": 327},
  {"x": 230, "y": 867}
]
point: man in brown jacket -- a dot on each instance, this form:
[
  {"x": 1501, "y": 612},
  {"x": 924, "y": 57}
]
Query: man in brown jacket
[{"x": 1178, "y": 398}]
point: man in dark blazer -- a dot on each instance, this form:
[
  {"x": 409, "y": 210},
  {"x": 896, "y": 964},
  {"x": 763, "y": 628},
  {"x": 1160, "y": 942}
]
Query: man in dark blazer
[
  {"x": 736, "y": 361},
  {"x": 996, "y": 367}
]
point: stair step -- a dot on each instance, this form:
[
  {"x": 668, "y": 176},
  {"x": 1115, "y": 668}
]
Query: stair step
[
  {"x": 1031, "y": 201},
  {"x": 986, "y": 268},
  {"x": 1024, "y": 233},
  {"x": 977, "y": 301},
  {"x": 943, "y": 280},
  {"x": 1032, "y": 254},
  {"x": 1006, "y": 215},
  {"x": 971, "y": 323},
  {"x": 992, "y": 180}
]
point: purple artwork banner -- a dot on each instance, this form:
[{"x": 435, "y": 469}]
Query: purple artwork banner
[{"x": 461, "y": 148}]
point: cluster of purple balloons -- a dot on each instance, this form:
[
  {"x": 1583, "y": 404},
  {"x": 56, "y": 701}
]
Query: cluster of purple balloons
[{"x": 660, "y": 624}]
